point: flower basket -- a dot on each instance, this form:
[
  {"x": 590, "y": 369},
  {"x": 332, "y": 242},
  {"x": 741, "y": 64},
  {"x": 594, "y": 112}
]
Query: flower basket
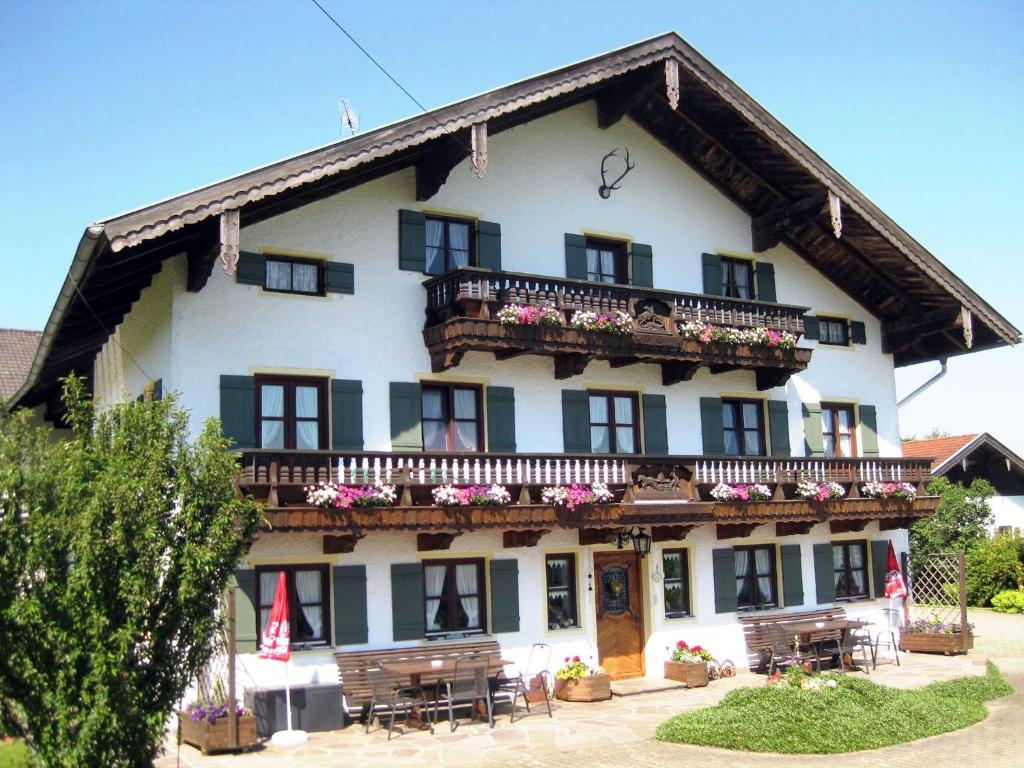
[
  {"x": 935, "y": 642},
  {"x": 213, "y": 737},
  {"x": 694, "y": 675},
  {"x": 590, "y": 688}
]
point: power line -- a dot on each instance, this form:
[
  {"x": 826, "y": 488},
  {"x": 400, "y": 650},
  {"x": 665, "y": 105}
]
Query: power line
[{"x": 387, "y": 74}]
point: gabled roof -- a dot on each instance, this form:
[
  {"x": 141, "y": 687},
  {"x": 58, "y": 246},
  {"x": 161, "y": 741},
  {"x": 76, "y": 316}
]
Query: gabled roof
[
  {"x": 952, "y": 452},
  {"x": 17, "y": 350},
  {"x": 717, "y": 128}
]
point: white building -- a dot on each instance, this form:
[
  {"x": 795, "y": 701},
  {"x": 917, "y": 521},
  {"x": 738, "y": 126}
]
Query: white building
[{"x": 338, "y": 311}]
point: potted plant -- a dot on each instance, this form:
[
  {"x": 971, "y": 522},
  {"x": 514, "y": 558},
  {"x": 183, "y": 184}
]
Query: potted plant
[
  {"x": 205, "y": 727},
  {"x": 577, "y": 681},
  {"x": 935, "y": 636},
  {"x": 688, "y": 665}
]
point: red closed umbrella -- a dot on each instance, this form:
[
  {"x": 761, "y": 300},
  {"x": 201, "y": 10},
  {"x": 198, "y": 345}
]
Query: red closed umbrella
[
  {"x": 894, "y": 585},
  {"x": 277, "y": 635}
]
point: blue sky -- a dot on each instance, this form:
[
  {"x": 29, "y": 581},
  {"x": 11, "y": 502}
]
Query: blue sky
[{"x": 109, "y": 105}]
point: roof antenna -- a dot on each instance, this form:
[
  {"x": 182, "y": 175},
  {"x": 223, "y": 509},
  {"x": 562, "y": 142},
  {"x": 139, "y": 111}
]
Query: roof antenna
[{"x": 349, "y": 118}]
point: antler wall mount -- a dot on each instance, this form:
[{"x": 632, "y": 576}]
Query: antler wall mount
[{"x": 605, "y": 190}]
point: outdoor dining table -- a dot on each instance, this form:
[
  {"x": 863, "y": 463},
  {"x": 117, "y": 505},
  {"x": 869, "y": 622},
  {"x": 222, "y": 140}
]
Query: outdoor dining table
[
  {"x": 805, "y": 631},
  {"x": 415, "y": 669}
]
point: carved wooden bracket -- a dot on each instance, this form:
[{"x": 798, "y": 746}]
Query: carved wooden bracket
[
  {"x": 767, "y": 378},
  {"x": 675, "y": 372},
  {"x": 794, "y": 529},
  {"x": 570, "y": 364},
  {"x": 341, "y": 545},
  {"x": 670, "y": 532},
  {"x": 478, "y": 145},
  {"x": 513, "y": 539},
  {"x": 672, "y": 82},
  {"x": 229, "y": 225},
  {"x": 432, "y": 542},
  {"x": 735, "y": 530},
  {"x": 596, "y": 536},
  {"x": 847, "y": 526}
]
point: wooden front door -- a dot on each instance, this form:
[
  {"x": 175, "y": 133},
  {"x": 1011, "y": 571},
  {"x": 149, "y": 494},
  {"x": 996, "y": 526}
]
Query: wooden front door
[{"x": 620, "y": 623}]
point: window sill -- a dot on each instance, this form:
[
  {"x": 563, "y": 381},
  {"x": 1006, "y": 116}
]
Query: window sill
[
  {"x": 455, "y": 636},
  {"x": 563, "y": 631}
]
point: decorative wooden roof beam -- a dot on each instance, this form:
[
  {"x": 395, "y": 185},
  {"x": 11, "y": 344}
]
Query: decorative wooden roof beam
[
  {"x": 768, "y": 230},
  {"x": 615, "y": 101},
  {"x": 898, "y": 335},
  {"x": 438, "y": 161}
]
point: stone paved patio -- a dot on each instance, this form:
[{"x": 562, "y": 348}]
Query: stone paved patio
[{"x": 620, "y": 732}]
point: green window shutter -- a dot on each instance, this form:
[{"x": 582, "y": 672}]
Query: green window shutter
[
  {"x": 879, "y": 565},
  {"x": 712, "y": 273},
  {"x": 238, "y": 409},
  {"x": 824, "y": 574},
  {"x": 246, "y": 630},
  {"x": 575, "y": 256},
  {"x": 765, "y": 277},
  {"x": 575, "y": 421},
  {"x": 655, "y": 426},
  {"x": 642, "y": 265},
  {"x": 778, "y": 427},
  {"x": 488, "y": 245},
  {"x": 408, "y": 621},
  {"x": 814, "y": 441},
  {"x": 346, "y": 415},
  {"x": 501, "y": 419},
  {"x": 350, "y": 625},
  {"x": 723, "y": 563},
  {"x": 711, "y": 427},
  {"x": 858, "y": 332},
  {"x": 406, "y": 416},
  {"x": 412, "y": 241},
  {"x": 251, "y": 268},
  {"x": 868, "y": 431},
  {"x": 811, "y": 328},
  {"x": 504, "y": 596},
  {"x": 792, "y": 575},
  {"x": 341, "y": 278}
]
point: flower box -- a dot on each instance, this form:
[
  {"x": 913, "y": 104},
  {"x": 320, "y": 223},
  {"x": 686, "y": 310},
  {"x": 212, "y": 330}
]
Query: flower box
[
  {"x": 935, "y": 642},
  {"x": 213, "y": 737},
  {"x": 694, "y": 675},
  {"x": 590, "y": 688}
]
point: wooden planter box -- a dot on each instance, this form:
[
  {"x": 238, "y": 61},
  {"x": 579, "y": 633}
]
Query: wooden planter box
[
  {"x": 213, "y": 737},
  {"x": 593, "y": 688},
  {"x": 934, "y": 642},
  {"x": 694, "y": 675}
]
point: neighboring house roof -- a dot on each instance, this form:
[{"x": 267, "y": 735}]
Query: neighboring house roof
[
  {"x": 716, "y": 128},
  {"x": 17, "y": 350},
  {"x": 963, "y": 458}
]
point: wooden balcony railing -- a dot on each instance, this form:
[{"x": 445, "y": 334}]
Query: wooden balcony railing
[
  {"x": 462, "y": 306},
  {"x": 281, "y": 476}
]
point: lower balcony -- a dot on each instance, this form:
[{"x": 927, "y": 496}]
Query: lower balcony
[
  {"x": 681, "y": 332},
  {"x": 663, "y": 492}
]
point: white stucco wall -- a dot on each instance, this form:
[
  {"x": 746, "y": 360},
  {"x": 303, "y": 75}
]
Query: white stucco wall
[{"x": 1007, "y": 511}]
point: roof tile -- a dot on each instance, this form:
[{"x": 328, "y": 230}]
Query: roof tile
[
  {"x": 940, "y": 448},
  {"x": 17, "y": 350}
]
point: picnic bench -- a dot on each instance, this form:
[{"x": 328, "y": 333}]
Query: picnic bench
[
  {"x": 352, "y": 667},
  {"x": 755, "y": 630}
]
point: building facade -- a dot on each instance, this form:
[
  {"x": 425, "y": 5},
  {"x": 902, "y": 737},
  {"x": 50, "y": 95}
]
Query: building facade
[{"x": 452, "y": 300}]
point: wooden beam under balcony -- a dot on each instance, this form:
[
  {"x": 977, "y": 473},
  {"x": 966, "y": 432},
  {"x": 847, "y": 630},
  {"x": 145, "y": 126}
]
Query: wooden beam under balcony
[
  {"x": 569, "y": 365},
  {"x": 675, "y": 371}
]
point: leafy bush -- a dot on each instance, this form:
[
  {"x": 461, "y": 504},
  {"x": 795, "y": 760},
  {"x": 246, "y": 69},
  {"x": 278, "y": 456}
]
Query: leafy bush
[
  {"x": 994, "y": 565},
  {"x": 960, "y": 522},
  {"x": 1009, "y": 601}
]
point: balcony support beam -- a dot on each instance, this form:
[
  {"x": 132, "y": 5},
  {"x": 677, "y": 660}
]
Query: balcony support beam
[
  {"x": 434, "y": 542},
  {"x": 768, "y": 378},
  {"x": 515, "y": 539},
  {"x": 735, "y": 530},
  {"x": 570, "y": 364},
  {"x": 847, "y": 526},
  {"x": 677, "y": 371}
]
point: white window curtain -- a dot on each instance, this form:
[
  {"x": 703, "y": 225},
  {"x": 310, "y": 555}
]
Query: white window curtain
[
  {"x": 307, "y": 432},
  {"x": 435, "y": 246},
  {"x": 304, "y": 278},
  {"x": 763, "y": 561},
  {"x": 467, "y": 583},
  {"x": 458, "y": 243},
  {"x": 279, "y": 275},
  {"x": 742, "y": 569},
  {"x": 742, "y": 275},
  {"x": 857, "y": 570},
  {"x": 268, "y": 585},
  {"x": 434, "y": 582},
  {"x": 272, "y": 405},
  {"x": 308, "y": 586}
]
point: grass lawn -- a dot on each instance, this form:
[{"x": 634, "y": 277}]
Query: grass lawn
[
  {"x": 14, "y": 754},
  {"x": 856, "y": 714}
]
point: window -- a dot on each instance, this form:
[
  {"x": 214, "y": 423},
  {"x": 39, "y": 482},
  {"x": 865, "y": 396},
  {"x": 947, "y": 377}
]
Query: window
[
  {"x": 454, "y": 596},
  {"x": 308, "y": 610},
  {"x": 850, "y": 561},
  {"x": 833, "y": 330},
  {"x": 837, "y": 430},
  {"x": 676, "y": 583},
  {"x": 755, "y": 577},
  {"x": 743, "y": 425},
  {"x": 449, "y": 244},
  {"x": 561, "y": 586},
  {"x": 737, "y": 278},
  {"x": 291, "y": 412},
  {"x": 451, "y": 418},
  {"x": 606, "y": 261},
  {"x": 613, "y": 423},
  {"x": 289, "y": 275}
]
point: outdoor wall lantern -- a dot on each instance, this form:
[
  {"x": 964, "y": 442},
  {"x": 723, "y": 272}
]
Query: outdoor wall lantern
[{"x": 641, "y": 541}]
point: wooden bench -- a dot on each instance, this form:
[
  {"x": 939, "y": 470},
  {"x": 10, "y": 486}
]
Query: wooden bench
[
  {"x": 755, "y": 630},
  {"x": 352, "y": 666}
]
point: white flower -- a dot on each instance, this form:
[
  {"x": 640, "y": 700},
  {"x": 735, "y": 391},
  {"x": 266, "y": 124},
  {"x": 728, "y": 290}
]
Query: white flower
[{"x": 601, "y": 493}]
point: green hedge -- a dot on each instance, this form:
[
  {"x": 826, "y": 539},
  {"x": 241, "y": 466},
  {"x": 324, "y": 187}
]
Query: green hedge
[
  {"x": 1009, "y": 601},
  {"x": 994, "y": 565}
]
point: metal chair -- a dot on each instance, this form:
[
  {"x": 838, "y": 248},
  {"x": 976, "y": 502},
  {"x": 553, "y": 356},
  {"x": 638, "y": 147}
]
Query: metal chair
[
  {"x": 785, "y": 651},
  {"x": 470, "y": 683},
  {"x": 893, "y": 625},
  {"x": 536, "y": 670},
  {"x": 850, "y": 641},
  {"x": 388, "y": 695}
]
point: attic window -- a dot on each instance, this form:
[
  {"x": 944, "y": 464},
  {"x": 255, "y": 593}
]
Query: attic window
[
  {"x": 291, "y": 275},
  {"x": 833, "y": 330},
  {"x": 737, "y": 278}
]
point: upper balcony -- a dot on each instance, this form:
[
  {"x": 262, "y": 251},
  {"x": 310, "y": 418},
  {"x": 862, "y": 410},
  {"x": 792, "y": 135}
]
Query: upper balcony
[{"x": 462, "y": 316}]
